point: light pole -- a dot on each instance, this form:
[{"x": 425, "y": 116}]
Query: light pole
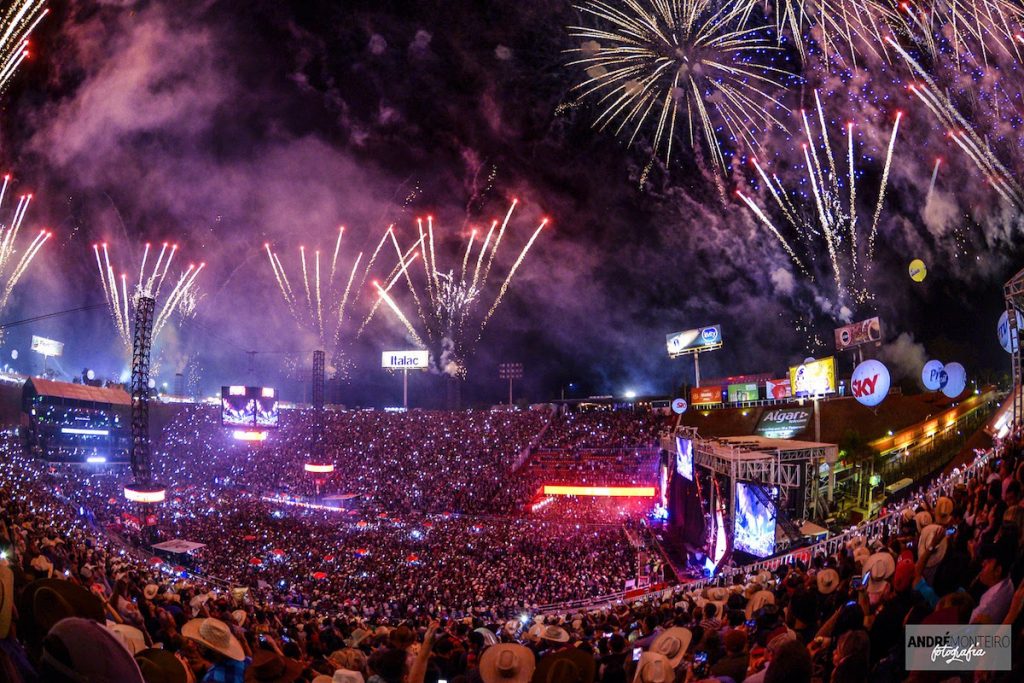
[{"x": 510, "y": 371}]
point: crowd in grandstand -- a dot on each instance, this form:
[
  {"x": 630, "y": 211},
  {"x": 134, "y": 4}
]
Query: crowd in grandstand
[{"x": 77, "y": 604}]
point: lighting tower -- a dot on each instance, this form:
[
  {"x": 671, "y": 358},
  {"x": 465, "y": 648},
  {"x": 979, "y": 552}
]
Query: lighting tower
[
  {"x": 143, "y": 489},
  {"x": 318, "y": 382}
]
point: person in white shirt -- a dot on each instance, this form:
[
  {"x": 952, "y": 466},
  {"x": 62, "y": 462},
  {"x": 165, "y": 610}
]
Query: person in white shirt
[{"x": 995, "y": 602}]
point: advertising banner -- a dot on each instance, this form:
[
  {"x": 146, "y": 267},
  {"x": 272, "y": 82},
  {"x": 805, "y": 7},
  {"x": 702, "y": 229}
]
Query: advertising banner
[
  {"x": 739, "y": 393},
  {"x": 858, "y": 333},
  {"x": 814, "y": 378},
  {"x": 405, "y": 360},
  {"x": 778, "y": 389},
  {"x": 47, "y": 347},
  {"x": 705, "y": 395},
  {"x": 783, "y": 423},
  {"x": 692, "y": 341}
]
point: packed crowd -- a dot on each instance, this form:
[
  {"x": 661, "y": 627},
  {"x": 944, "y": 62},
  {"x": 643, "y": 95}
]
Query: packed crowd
[
  {"x": 75, "y": 606},
  {"x": 430, "y": 597},
  {"x": 605, "y": 429}
]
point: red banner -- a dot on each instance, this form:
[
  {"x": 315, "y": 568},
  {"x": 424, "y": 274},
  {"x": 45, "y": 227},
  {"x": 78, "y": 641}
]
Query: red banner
[{"x": 705, "y": 395}]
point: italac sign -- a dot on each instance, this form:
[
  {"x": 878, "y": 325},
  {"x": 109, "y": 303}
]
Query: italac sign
[{"x": 405, "y": 360}]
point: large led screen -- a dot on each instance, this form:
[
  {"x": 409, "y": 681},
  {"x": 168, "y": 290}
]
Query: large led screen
[{"x": 754, "y": 522}]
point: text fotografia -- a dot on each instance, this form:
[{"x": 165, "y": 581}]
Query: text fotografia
[{"x": 958, "y": 648}]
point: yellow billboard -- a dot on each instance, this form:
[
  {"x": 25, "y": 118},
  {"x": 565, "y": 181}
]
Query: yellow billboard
[{"x": 814, "y": 377}]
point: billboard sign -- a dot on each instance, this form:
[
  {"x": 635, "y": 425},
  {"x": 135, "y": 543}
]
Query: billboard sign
[
  {"x": 814, "y": 377},
  {"x": 694, "y": 341},
  {"x": 705, "y": 395},
  {"x": 855, "y": 334},
  {"x": 870, "y": 383},
  {"x": 783, "y": 423},
  {"x": 740, "y": 393},
  {"x": 778, "y": 389},
  {"x": 47, "y": 347},
  {"x": 405, "y": 360}
]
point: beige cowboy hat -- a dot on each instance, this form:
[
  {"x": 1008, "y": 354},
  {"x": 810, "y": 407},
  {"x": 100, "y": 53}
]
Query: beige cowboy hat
[
  {"x": 507, "y": 663},
  {"x": 555, "y": 634},
  {"x": 672, "y": 644},
  {"x": 827, "y": 580},
  {"x": 214, "y": 634},
  {"x": 759, "y": 600},
  {"x": 654, "y": 668},
  {"x": 933, "y": 535}
]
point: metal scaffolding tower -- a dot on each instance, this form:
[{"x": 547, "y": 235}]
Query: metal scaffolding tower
[
  {"x": 318, "y": 381},
  {"x": 141, "y": 346}
]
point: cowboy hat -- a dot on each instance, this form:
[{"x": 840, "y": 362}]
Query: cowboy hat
[
  {"x": 933, "y": 535},
  {"x": 943, "y": 510},
  {"x": 132, "y": 638},
  {"x": 160, "y": 666},
  {"x": 507, "y": 663},
  {"x": 44, "y": 602},
  {"x": 860, "y": 555},
  {"x": 214, "y": 634},
  {"x": 555, "y": 634},
  {"x": 654, "y": 668},
  {"x": 83, "y": 650},
  {"x": 150, "y": 591},
  {"x": 566, "y": 666},
  {"x": 881, "y": 567},
  {"x": 271, "y": 667},
  {"x": 718, "y": 594},
  {"x": 922, "y": 519},
  {"x": 672, "y": 644},
  {"x": 759, "y": 600},
  {"x": 347, "y": 676},
  {"x": 239, "y": 616},
  {"x": 488, "y": 636},
  {"x": 827, "y": 580}
]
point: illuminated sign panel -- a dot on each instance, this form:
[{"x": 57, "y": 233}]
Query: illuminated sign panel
[
  {"x": 47, "y": 347},
  {"x": 251, "y": 407},
  {"x": 405, "y": 360},
  {"x": 695, "y": 340},
  {"x": 605, "y": 491},
  {"x": 705, "y": 395},
  {"x": 814, "y": 378}
]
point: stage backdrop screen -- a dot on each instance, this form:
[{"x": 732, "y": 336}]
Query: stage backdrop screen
[
  {"x": 684, "y": 458},
  {"x": 754, "y": 525},
  {"x": 249, "y": 407}
]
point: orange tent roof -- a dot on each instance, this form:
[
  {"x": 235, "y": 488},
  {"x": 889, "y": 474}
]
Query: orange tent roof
[{"x": 81, "y": 392}]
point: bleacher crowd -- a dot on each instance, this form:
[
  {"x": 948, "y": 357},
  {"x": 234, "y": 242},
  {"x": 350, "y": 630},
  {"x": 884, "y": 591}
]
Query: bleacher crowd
[{"x": 79, "y": 603}]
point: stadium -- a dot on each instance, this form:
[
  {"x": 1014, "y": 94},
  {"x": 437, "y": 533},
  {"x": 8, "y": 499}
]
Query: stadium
[{"x": 641, "y": 341}]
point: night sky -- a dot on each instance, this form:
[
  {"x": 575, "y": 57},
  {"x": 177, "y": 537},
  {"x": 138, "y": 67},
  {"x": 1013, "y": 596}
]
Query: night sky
[{"x": 225, "y": 125}]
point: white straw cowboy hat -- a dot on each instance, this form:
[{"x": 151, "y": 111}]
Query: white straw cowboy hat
[
  {"x": 507, "y": 663},
  {"x": 214, "y": 634},
  {"x": 672, "y": 644}
]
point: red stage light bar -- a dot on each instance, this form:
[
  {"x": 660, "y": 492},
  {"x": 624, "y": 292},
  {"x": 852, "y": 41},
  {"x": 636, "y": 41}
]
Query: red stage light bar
[{"x": 606, "y": 491}]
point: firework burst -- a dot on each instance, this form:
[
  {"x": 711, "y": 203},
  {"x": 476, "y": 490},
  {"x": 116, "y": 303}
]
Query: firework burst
[
  {"x": 700, "y": 70},
  {"x": 20, "y": 19},
  {"x": 174, "y": 295},
  {"x": 14, "y": 264},
  {"x": 829, "y": 214},
  {"x": 449, "y": 301},
  {"x": 326, "y": 288}
]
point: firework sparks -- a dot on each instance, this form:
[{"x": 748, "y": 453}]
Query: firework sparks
[
  {"x": 18, "y": 23},
  {"x": 121, "y": 299},
  {"x": 653, "y": 63},
  {"x": 448, "y": 300},
  {"x": 14, "y": 264},
  {"x": 325, "y": 298},
  {"x": 832, "y": 214}
]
